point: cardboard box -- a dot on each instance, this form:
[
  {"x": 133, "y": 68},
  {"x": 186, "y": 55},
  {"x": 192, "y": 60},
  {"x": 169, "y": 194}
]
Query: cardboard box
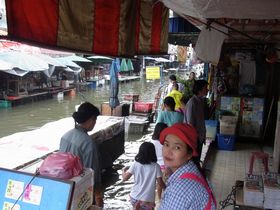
[
  {"x": 228, "y": 124},
  {"x": 83, "y": 191},
  {"x": 121, "y": 110}
]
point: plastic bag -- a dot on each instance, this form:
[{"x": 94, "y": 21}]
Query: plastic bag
[{"x": 62, "y": 165}]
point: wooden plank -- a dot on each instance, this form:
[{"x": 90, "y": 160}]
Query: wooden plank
[{"x": 276, "y": 152}]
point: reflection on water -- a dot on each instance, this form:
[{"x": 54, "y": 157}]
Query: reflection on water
[{"x": 33, "y": 115}]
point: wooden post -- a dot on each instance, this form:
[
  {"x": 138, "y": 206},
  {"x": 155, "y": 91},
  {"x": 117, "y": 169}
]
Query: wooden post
[{"x": 276, "y": 152}]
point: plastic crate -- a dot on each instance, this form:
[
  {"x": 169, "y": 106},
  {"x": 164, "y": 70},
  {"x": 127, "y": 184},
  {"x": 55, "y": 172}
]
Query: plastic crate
[
  {"x": 5, "y": 104},
  {"x": 91, "y": 85},
  {"x": 143, "y": 106},
  {"x": 211, "y": 129},
  {"x": 226, "y": 142}
]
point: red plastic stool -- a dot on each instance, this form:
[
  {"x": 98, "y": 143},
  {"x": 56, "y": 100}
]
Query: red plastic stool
[{"x": 261, "y": 155}]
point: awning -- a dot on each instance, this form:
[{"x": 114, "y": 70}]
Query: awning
[
  {"x": 17, "y": 72},
  {"x": 24, "y": 61},
  {"x": 237, "y": 9},
  {"x": 67, "y": 61},
  {"x": 5, "y": 65},
  {"x": 91, "y": 27}
]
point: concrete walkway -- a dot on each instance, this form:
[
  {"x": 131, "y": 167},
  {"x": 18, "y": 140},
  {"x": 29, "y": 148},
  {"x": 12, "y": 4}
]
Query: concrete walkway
[{"x": 226, "y": 167}]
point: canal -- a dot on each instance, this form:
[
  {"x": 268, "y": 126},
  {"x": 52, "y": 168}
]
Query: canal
[{"x": 35, "y": 114}]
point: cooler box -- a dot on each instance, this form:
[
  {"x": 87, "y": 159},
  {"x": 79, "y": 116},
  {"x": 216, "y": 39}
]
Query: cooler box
[
  {"x": 226, "y": 142},
  {"x": 143, "y": 106},
  {"x": 83, "y": 190},
  {"x": 228, "y": 124},
  {"x": 211, "y": 129}
]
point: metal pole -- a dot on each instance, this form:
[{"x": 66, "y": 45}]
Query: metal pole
[{"x": 161, "y": 76}]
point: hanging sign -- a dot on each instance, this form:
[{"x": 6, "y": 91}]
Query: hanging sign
[{"x": 152, "y": 72}]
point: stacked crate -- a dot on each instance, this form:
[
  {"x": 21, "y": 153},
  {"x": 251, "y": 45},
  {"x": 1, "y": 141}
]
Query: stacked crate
[{"x": 227, "y": 135}]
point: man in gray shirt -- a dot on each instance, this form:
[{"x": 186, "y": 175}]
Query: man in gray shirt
[
  {"x": 78, "y": 142},
  {"x": 194, "y": 113}
]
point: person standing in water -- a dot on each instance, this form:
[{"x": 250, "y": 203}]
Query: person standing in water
[
  {"x": 146, "y": 173},
  {"x": 79, "y": 143}
]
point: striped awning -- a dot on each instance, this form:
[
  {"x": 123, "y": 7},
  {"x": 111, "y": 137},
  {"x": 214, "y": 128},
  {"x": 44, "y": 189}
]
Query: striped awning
[{"x": 105, "y": 27}]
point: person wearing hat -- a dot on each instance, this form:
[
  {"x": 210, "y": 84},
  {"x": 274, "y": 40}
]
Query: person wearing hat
[
  {"x": 186, "y": 188},
  {"x": 78, "y": 142}
]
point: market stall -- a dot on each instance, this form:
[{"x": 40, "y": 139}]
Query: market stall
[{"x": 31, "y": 146}]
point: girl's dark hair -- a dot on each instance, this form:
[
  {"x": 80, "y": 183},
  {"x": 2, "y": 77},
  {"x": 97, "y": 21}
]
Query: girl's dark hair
[
  {"x": 146, "y": 154},
  {"x": 85, "y": 112},
  {"x": 158, "y": 128}
]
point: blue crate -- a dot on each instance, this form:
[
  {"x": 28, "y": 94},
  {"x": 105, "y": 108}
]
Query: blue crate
[{"x": 226, "y": 142}]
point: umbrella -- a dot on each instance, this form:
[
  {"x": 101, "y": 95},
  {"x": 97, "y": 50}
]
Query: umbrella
[
  {"x": 77, "y": 58},
  {"x": 163, "y": 60},
  {"x": 129, "y": 65},
  {"x": 123, "y": 66},
  {"x": 100, "y": 59},
  {"x": 149, "y": 58},
  {"x": 114, "y": 86}
]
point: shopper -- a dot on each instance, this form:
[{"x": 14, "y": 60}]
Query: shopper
[
  {"x": 186, "y": 188},
  {"x": 146, "y": 173},
  {"x": 176, "y": 95},
  {"x": 169, "y": 116},
  {"x": 158, "y": 146},
  {"x": 194, "y": 113},
  {"x": 78, "y": 142}
]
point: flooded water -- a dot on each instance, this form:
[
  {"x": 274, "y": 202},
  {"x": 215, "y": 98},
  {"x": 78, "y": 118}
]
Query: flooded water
[{"x": 34, "y": 115}]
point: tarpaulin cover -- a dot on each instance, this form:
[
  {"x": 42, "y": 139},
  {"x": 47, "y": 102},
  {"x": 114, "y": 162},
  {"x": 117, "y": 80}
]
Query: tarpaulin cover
[
  {"x": 209, "y": 44},
  {"x": 236, "y": 9},
  {"x": 111, "y": 27}
]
